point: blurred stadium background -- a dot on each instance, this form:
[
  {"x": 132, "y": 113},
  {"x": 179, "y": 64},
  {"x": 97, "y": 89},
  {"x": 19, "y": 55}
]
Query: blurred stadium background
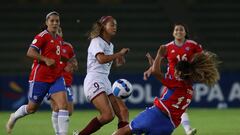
[{"x": 143, "y": 25}]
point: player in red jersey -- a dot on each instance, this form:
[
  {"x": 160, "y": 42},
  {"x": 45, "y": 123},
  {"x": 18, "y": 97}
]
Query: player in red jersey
[
  {"x": 69, "y": 64},
  {"x": 181, "y": 49},
  {"x": 165, "y": 115},
  {"x": 46, "y": 75}
]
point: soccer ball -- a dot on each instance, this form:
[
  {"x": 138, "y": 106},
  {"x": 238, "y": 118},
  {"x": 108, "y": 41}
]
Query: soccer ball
[{"x": 122, "y": 88}]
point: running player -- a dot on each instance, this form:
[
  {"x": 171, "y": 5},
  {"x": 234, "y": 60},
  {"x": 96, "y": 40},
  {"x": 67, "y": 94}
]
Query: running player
[
  {"x": 165, "y": 115},
  {"x": 97, "y": 87},
  {"x": 46, "y": 75}
]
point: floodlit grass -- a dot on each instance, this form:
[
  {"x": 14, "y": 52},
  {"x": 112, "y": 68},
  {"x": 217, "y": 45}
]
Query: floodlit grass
[{"x": 207, "y": 121}]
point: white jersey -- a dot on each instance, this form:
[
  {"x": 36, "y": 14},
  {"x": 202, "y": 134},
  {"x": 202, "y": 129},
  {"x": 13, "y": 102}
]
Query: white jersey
[{"x": 98, "y": 45}]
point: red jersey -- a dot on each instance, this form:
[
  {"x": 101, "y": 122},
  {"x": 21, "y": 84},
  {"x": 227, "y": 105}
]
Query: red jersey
[
  {"x": 67, "y": 52},
  {"x": 50, "y": 47},
  {"x": 185, "y": 52},
  {"x": 175, "y": 99}
]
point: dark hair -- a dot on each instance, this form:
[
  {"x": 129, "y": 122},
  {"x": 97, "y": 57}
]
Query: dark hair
[
  {"x": 185, "y": 68},
  {"x": 97, "y": 27},
  {"x": 185, "y": 27},
  {"x": 44, "y": 26}
]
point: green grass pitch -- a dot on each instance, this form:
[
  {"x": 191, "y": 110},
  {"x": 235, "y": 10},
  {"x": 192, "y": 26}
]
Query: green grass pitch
[{"x": 207, "y": 121}]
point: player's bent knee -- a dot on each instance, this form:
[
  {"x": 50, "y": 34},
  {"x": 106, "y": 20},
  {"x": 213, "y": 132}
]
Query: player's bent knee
[{"x": 107, "y": 117}]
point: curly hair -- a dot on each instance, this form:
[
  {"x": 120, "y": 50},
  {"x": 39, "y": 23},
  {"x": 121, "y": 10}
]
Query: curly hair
[{"x": 205, "y": 68}]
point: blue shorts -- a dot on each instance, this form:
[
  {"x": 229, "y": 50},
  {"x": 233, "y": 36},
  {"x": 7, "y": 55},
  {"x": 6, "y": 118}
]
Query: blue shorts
[
  {"x": 38, "y": 90},
  {"x": 152, "y": 121},
  {"x": 69, "y": 93}
]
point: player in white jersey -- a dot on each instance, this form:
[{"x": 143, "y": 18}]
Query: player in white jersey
[{"x": 97, "y": 87}]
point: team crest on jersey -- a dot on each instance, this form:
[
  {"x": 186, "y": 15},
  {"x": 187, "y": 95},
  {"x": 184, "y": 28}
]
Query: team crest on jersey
[
  {"x": 34, "y": 41},
  {"x": 173, "y": 51},
  {"x": 187, "y": 48}
]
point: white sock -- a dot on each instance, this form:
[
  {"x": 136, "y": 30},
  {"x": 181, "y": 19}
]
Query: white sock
[
  {"x": 185, "y": 122},
  {"x": 55, "y": 122},
  {"x": 21, "y": 112},
  {"x": 63, "y": 120}
]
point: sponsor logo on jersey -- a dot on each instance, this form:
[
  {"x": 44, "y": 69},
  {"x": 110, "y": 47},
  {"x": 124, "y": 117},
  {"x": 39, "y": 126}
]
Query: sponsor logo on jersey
[{"x": 64, "y": 50}]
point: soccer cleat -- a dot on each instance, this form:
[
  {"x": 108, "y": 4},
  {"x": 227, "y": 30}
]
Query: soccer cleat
[
  {"x": 75, "y": 132},
  {"x": 192, "y": 131},
  {"x": 10, "y": 124}
]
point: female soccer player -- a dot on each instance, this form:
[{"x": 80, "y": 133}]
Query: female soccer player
[
  {"x": 97, "y": 87},
  {"x": 165, "y": 115},
  {"x": 69, "y": 64},
  {"x": 180, "y": 49},
  {"x": 46, "y": 75}
]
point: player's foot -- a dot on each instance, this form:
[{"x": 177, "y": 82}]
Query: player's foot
[
  {"x": 75, "y": 132},
  {"x": 192, "y": 131},
  {"x": 114, "y": 132},
  {"x": 10, "y": 124}
]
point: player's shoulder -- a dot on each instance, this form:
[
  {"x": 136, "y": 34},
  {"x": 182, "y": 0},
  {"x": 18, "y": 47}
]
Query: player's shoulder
[
  {"x": 191, "y": 42},
  {"x": 67, "y": 44},
  {"x": 169, "y": 44},
  {"x": 43, "y": 33},
  {"x": 96, "y": 39}
]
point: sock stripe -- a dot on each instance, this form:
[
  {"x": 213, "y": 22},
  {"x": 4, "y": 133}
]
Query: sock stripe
[{"x": 63, "y": 113}]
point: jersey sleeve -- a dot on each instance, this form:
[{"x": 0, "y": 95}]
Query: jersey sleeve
[
  {"x": 96, "y": 47},
  {"x": 38, "y": 42},
  {"x": 198, "y": 48},
  {"x": 71, "y": 52}
]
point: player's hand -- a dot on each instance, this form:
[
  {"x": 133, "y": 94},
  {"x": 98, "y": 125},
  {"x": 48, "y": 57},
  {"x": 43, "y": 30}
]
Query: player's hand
[
  {"x": 150, "y": 58},
  {"x": 120, "y": 61},
  {"x": 124, "y": 51},
  {"x": 69, "y": 67},
  {"x": 147, "y": 74},
  {"x": 162, "y": 50},
  {"x": 49, "y": 62}
]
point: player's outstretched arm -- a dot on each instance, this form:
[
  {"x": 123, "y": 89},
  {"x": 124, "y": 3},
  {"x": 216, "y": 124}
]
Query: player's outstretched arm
[
  {"x": 102, "y": 58},
  {"x": 156, "y": 67},
  {"x": 150, "y": 59}
]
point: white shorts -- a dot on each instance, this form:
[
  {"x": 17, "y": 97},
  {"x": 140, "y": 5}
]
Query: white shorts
[{"x": 95, "y": 84}]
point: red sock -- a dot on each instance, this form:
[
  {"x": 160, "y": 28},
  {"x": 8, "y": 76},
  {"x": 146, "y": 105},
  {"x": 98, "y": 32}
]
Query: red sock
[
  {"x": 122, "y": 124},
  {"x": 92, "y": 127}
]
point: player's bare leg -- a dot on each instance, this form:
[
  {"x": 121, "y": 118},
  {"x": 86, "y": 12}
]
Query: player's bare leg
[
  {"x": 106, "y": 115},
  {"x": 120, "y": 110}
]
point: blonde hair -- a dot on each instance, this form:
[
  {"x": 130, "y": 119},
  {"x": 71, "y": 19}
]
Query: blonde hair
[
  {"x": 96, "y": 30},
  {"x": 98, "y": 27},
  {"x": 205, "y": 68}
]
